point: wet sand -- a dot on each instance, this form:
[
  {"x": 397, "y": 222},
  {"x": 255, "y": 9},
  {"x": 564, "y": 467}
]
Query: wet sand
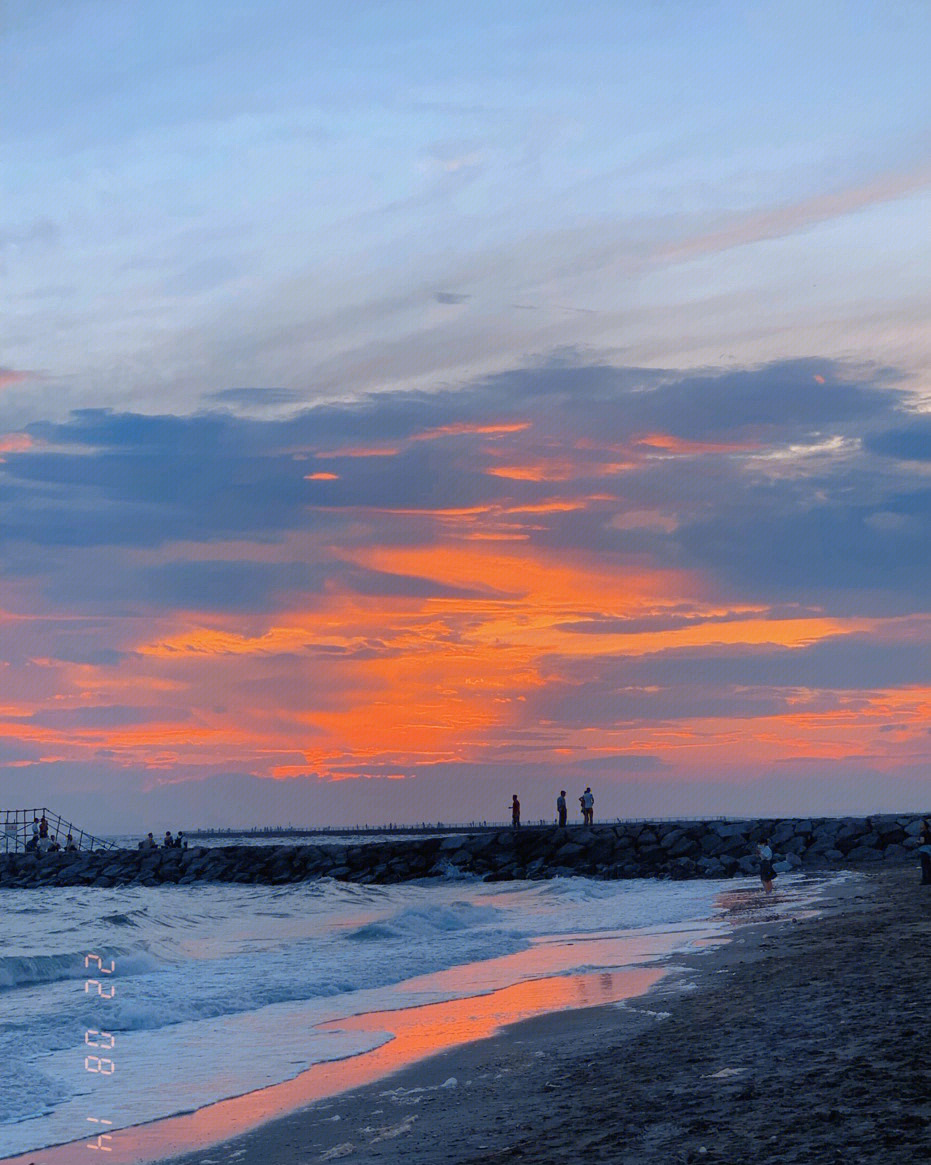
[{"x": 798, "y": 1042}]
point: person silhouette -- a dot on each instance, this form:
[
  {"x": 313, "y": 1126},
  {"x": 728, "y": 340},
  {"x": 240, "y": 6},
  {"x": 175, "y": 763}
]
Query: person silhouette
[{"x": 587, "y": 801}]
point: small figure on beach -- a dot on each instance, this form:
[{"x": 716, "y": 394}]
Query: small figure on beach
[
  {"x": 767, "y": 873},
  {"x": 515, "y": 812},
  {"x": 53, "y": 846},
  {"x": 924, "y": 852},
  {"x": 169, "y": 842},
  {"x": 33, "y": 843},
  {"x": 43, "y": 826},
  {"x": 70, "y": 847},
  {"x": 587, "y": 801},
  {"x": 150, "y": 843},
  {"x": 561, "y": 809},
  {"x": 180, "y": 840}
]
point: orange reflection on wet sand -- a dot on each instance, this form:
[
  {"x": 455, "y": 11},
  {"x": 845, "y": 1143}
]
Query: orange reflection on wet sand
[
  {"x": 418, "y": 1032},
  {"x": 424, "y": 1031}
]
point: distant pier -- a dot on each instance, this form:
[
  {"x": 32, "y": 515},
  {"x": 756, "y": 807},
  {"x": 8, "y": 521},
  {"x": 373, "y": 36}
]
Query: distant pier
[{"x": 661, "y": 849}]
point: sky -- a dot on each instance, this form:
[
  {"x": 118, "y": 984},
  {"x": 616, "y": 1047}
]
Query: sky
[{"x": 403, "y": 406}]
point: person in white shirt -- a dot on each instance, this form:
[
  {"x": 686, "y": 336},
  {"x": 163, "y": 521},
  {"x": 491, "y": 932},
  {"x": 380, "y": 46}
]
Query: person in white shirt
[
  {"x": 767, "y": 873},
  {"x": 587, "y": 801}
]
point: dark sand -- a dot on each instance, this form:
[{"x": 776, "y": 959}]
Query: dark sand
[{"x": 801, "y": 1042}]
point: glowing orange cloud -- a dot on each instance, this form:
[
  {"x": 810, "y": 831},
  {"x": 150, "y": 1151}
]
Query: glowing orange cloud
[
  {"x": 553, "y": 471},
  {"x": 559, "y": 469},
  {"x": 422, "y": 681},
  {"x": 474, "y": 625},
  {"x": 15, "y": 443},
  {"x": 679, "y": 445},
  {"x": 465, "y": 429}
]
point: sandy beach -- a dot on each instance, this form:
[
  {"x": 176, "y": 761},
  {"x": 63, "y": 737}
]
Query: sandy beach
[{"x": 798, "y": 1041}]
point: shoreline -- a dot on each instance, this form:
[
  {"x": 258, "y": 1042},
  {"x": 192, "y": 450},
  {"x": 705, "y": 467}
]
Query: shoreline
[
  {"x": 533, "y": 1088},
  {"x": 822, "y": 1019},
  {"x": 436, "y": 1103}
]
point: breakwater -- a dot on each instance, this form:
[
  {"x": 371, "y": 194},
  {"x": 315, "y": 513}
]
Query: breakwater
[{"x": 670, "y": 849}]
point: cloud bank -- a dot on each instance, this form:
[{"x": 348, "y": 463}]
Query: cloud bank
[{"x": 701, "y": 591}]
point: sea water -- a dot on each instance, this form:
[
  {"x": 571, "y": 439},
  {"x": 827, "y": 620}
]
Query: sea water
[{"x": 208, "y": 991}]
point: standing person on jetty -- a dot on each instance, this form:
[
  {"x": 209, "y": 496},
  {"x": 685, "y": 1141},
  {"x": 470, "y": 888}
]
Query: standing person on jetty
[
  {"x": 515, "y": 812},
  {"x": 587, "y": 801},
  {"x": 767, "y": 873},
  {"x": 924, "y": 852},
  {"x": 561, "y": 810}
]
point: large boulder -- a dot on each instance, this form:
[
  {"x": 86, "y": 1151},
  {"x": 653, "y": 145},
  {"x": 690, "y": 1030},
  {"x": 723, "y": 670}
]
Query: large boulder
[
  {"x": 712, "y": 844},
  {"x": 671, "y": 836},
  {"x": 785, "y": 831},
  {"x": 685, "y": 847},
  {"x": 570, "y": 853},
  {"x": 681, "y": 868}
]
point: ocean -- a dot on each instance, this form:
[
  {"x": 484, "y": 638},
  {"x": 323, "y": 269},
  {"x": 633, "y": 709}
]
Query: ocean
[{"x": 131, "y": 1004}]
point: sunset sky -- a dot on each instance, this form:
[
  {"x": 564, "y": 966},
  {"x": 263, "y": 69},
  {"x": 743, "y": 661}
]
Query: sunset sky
[{"x": 404, "y": 405}]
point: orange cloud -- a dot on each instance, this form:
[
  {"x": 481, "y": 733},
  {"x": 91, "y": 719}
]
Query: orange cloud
[
  {"x": 679, "y": 445},
  {"x": 359, "y": 451},
  {"x": 16, "y": 443},
  {"x": 464, "y": 428},
  {"x": 558, "y": 469}
]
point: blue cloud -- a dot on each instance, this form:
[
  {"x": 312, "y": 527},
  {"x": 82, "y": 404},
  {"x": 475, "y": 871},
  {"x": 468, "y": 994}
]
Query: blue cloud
[
  {"x": 849, "y": 531},
  {"x": 909, "y": 443}
]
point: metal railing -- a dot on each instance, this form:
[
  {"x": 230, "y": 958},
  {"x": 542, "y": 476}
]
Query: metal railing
[{"x": 16, "y": 832}]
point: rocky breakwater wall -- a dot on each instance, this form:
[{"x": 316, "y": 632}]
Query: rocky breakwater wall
[{"x": 669, "y": 849}]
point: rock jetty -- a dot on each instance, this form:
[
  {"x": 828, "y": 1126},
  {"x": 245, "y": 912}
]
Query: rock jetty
[{"x": 666, "y": 849}]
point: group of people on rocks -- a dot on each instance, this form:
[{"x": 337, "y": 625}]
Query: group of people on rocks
[
  {"x": 179, "y": 842},
  {"x": 43, "y": 842},
  {"x": 586, "y": 802}
]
